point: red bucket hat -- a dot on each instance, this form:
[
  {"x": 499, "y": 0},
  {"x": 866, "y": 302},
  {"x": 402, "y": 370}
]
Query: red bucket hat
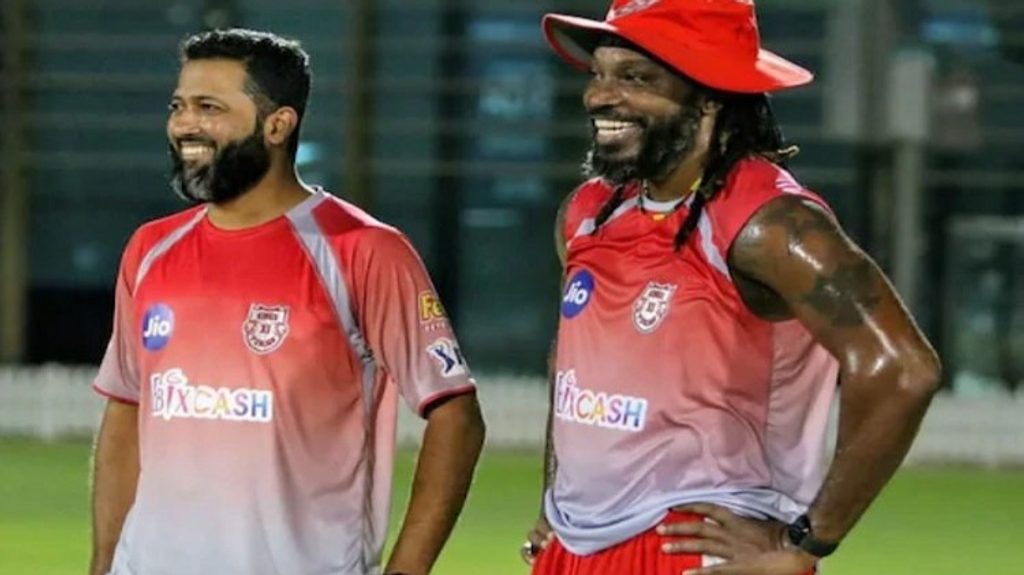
[{"x": 715, "y": 42}]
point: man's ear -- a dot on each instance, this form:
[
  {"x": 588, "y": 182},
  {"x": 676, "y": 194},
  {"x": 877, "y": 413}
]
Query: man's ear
[
  {"x": 279, "y": 125},
  {"x": 710, "y": 107},
  {"x": 706, "y": 128}
]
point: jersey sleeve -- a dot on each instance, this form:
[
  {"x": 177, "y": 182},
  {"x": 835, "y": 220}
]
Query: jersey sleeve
[
  {"x": 118, "y": 376},
  {"x": 404, "y": 323}
]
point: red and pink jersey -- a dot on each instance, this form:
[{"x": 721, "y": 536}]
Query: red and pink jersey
[
  {"x": 266, "y": 363},
  {"x": 668, "y": 389}
]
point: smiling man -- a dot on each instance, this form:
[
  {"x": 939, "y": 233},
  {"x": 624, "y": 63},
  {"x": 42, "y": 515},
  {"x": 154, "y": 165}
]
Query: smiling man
[
  {"x": 711, "y": 304},
  {"x": 261, "y": 339}
]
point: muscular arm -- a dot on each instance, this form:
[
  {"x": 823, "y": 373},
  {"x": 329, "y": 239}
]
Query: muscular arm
[
  {"x": 115, "y": 477},
  {"x": 888, "y": 370},
  {"x": 451, "y": 446}
]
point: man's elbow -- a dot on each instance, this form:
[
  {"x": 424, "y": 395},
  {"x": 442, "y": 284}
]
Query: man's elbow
[
  {"x": 478, "y": 426},
  {"x": 921, "y": 375}
]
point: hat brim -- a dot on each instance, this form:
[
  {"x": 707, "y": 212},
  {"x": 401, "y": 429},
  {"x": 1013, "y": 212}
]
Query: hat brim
[{"x": 574, "y": 40}]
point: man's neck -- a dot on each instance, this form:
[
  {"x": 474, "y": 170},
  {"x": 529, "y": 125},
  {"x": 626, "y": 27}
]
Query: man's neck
[
  {"x": 273, "y": 196},
  {"x": 680, "y": 183}
]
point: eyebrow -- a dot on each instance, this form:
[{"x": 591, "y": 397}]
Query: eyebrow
[{"x": 179, "y": 97}]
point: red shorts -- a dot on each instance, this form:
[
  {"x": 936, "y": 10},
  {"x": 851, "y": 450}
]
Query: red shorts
[{"x": 641, "y": 555}]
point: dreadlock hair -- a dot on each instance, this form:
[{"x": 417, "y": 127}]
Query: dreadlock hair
[{"x": 745, "y": 127}]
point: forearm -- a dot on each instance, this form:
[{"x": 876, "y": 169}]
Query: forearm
[
  {"x": 115, "y": 478},
  {"x": 878, "y": 420},
  {"x": 451, "y": 446},
  {"x": 550, "y": 461}
]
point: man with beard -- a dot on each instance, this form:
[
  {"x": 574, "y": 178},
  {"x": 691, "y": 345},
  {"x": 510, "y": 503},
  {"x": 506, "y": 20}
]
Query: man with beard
[
  {"x": 711, "y": 305},
  {"x": 261, "y": 339}
]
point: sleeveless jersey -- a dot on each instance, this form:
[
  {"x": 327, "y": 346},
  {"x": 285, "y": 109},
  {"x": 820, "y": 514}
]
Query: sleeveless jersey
[{"x": 668, "y": 390}]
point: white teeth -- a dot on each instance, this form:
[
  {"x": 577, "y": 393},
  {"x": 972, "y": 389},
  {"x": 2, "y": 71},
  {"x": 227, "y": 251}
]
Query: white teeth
[
  {"x": 195, "y": 151},
  {"x": 612, "y": 125}
]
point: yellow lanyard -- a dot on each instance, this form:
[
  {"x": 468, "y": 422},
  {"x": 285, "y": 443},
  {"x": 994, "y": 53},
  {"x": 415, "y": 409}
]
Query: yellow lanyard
[{"x": 662, "y": 216}]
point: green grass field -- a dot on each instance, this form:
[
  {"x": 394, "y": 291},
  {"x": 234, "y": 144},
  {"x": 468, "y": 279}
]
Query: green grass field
[{"x": 928, "y": 522}]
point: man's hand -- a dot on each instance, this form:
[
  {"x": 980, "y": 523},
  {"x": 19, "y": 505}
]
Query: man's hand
[
  {"x": 748, "y": 546},
  {"x": 537, "y": 540}
]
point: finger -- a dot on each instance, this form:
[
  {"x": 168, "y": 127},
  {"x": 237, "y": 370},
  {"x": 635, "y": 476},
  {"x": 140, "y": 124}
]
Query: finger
[
  {"x": 541, "y": 538},
  {"x": 701, "y": 529},
  {"x": 720, "y": 569},
  {"x": 719, "y": 514},
  {"x": 697, "y": 547}
]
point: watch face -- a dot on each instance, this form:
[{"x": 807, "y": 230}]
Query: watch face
[
  {"x": 795, "y": 534},
  {"x": 800, "y": 535},
  {"x": 798, "y": 530}
]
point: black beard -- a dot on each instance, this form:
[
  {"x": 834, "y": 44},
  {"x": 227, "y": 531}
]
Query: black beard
[
  {"x": 234, "y": 170},
  {"x": 665, "y": 144}
]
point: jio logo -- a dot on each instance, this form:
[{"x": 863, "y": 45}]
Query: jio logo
[
  {"x": 577, "y": 293},
  {"x": 157, "y": 326}
]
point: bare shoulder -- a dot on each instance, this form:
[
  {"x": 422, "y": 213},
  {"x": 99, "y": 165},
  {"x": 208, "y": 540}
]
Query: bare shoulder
[
  {"x": 560, "y": 239},
  {"x": 796, "y": 247}
]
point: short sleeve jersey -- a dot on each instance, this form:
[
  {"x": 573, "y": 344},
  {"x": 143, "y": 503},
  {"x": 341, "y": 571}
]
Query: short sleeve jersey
[{"x": 266, "y": 364}]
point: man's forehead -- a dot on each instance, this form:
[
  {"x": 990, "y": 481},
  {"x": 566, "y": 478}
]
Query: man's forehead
[
  {"x": 215, "y": 77},
  {"x": 622, "y": 54}
]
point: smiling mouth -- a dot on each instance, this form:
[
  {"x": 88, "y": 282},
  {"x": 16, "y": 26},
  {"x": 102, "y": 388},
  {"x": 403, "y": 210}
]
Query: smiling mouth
[
  {"x": 612, "y": 132},
  {"x": 193, "y": 152}
]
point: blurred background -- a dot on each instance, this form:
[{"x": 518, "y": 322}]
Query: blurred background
[{"x": 453, "y": 121}]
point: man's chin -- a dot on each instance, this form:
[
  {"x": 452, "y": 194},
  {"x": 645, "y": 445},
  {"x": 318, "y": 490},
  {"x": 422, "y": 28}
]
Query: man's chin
[
  {"x": 615, "y": 173},
  {"x": 615, "y": 166},
  {"x": 194, "y": 171},
  {"x": 618, "y": 155}
]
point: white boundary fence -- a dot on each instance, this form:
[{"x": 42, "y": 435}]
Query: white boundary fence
[{"x": 53, "y": 402}]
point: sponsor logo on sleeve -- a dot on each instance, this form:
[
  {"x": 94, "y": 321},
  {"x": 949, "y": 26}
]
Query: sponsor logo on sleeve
[
  {"x": 597, "y": 408},
  {"x": 172, "y": 396},
  {"x": 157, "y": 326},
  {"x": 448, "y": 357},
  {"x": 431, "y": 312},
  {"x": 578, "y": 292},
  {"x": 265, "y": 327},
  {"x": 651, "y": 306}
]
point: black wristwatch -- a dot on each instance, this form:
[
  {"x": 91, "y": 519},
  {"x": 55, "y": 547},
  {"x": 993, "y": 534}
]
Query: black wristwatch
[{"x": 801, "y": 535}]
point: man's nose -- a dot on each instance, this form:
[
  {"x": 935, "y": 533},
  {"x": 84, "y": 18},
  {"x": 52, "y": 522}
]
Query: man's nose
[
  {"x": 602, "y": 93},
  {"x": 184, "y": 123}
]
